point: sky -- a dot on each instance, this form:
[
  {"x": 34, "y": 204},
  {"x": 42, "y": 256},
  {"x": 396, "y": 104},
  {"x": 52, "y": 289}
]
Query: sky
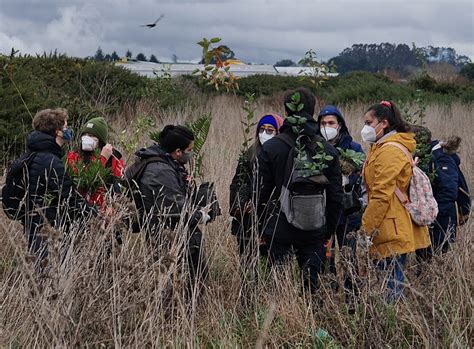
[{"x": 258, "y": 31}]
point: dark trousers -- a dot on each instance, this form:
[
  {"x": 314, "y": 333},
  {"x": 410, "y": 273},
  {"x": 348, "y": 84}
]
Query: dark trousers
[
  {"x": 310, "y": 257},
  {"x": 442, "y": 234},
  {"x": 347, "y": 245}
]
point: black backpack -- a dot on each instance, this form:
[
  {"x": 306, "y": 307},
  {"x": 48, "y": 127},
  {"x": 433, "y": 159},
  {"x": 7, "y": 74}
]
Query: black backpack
[
  {"x": 15, "y": 190},
  {"x": 303, "y": 198},
  {"x": 464, "y": 201}
]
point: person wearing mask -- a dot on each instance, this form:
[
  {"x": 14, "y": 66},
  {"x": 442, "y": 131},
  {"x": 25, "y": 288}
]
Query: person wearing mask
[
  {"x": 166, "y": 190},
  {"x": 95, "y": 148},
  {"x": 387, "y": 223},
  {"x": 333, "y": 128},
  {"x": 275, "y": 161},
  {"x": 52, "y": 197},
  {"x": 242, "y": 191}
]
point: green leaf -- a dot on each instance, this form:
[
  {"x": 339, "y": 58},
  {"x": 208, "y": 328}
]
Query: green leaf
[
  {"x": 295, "y": 129},
  {"x": 291, "y": 106},
  {"x": 292, "y": 120},
  {"x": 215, "y": 40},
  {"x": 300, "y": 107}
]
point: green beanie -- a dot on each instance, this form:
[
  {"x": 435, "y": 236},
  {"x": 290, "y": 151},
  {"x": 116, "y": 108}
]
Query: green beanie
[{"x": 97, "y": 127}]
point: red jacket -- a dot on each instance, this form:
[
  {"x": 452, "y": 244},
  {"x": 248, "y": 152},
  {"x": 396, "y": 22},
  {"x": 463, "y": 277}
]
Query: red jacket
[{"x": 98, "y": 197}]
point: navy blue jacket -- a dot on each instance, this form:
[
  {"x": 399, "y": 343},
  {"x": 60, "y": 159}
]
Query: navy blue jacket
[
  {"x": 446, "y": 182},
  {"x": 51, "y": 193},
  {"x": 344, "y": 141}
]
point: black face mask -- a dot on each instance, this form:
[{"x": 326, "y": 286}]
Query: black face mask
[{"x": 186, "y": 157}]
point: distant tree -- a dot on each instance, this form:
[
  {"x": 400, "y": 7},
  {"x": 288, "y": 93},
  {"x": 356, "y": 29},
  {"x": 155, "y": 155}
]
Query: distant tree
[
  {"x": 114, "y": 56},
  {"x": 99, "y": 55},
  {"x": 468, "y": 71},
  {"x": 128, "y": 54},
  {"x": 141, "y": 57},
  {"x": 227, "y": 53},
  {"x": 377, "y": 58},
  {"x": 174, "y": 58},
  {"x": 285, "y": 63},
  {"x": 108, "y": 58}
]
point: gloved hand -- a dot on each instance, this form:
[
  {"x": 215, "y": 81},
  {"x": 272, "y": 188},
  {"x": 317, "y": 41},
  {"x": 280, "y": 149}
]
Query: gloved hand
[{"x": 204, "y": 217}]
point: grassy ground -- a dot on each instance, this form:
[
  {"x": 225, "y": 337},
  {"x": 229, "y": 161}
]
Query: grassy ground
[{"x": 131, "y": 299}]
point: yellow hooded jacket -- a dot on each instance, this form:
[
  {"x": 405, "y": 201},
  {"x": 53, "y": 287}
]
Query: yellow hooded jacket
[{"x": 387, "y": 168}]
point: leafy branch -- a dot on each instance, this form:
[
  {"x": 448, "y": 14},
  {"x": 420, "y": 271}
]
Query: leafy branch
[
  {"x": 307, "y": 164},
  {"x": 318, "y": 72},
  {"x": 217, "y": 74},
  {"x": 91, "y": 176}
]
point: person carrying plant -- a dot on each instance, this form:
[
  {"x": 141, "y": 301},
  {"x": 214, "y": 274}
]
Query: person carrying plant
[
  {"x": 332, "y": 127},
  {"x": 51, "y": 197},
  {"x": 243, "y": 189},
  {"x": 387, "y": 174},
  {"x": 96, "y": 165},
  {"x": 165, "y": 195},
  {"x": 300, "y": 189}
]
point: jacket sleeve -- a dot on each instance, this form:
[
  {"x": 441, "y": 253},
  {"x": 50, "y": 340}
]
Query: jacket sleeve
[
  {"x": 388, "y": 165},
  {"x": 266, "y": 181},
  {"x": 165, "y": 195},
  {"x": 240, "y": 187},
  {"x": 62, "y": 184},
  {"x": 447, "y": 180},
  {"x": 333, "y": 192}
]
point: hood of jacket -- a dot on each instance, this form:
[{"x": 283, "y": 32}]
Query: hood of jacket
[
  {"x": 153, "y": 150},
  {"x": 405, "y": 139},
  {"x": 446, "y": 148},
  {"x": 332, "y": 110},
  {"x": 38, "y": 141}
]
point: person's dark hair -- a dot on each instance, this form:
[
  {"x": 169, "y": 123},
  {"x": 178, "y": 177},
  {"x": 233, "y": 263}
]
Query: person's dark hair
[
  {"x": 50, "y": 120},
  {"x": 175, "y": 137},
  {"x": 387, "y": 110},
  {"x": 307, "y": 98},
  {"x": 422, "y": 133}
]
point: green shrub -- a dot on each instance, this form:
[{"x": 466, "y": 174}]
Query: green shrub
[{"x": 85, "y": 88}]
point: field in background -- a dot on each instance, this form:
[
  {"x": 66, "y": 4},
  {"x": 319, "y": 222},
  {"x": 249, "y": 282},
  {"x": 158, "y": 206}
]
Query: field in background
[{"x": 132, "y": 300}]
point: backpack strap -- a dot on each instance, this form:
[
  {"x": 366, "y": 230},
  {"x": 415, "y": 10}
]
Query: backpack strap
[
  {"x": 402, "y": 197},
  {"x": 148, "y": 161}
]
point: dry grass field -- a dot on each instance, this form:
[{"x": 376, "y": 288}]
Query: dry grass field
[{"x": 130, "y": 299}]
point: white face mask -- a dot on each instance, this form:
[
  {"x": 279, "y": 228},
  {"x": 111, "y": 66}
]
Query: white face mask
[
  {"x": 329, "y": 133},
  {"x": 89, "y": 143},
  {"x": 263, "y": 137},
  {"x": 369, "y": 134}
]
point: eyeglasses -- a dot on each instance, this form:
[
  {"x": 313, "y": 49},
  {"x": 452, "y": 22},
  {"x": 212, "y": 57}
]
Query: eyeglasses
[{"x": 267, "y": 130}]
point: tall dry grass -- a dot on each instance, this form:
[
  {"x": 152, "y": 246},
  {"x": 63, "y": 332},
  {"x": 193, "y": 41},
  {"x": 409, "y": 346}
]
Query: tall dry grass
[{"x": 106, "y": 295}]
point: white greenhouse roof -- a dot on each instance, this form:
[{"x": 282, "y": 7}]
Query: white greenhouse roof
[{"x": 174, "y": 69}]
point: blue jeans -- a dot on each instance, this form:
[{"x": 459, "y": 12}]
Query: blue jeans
[{"x": 395, "y": 266}]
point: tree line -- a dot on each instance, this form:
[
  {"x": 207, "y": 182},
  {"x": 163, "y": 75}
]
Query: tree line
[
  {"x": 386, "y": 56},
  {"x": 100, "y": 56}
]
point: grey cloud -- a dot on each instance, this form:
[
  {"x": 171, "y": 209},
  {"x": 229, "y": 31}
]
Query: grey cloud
[{"x": 258, "y": 31}]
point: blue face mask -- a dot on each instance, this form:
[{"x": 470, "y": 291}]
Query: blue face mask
[{"x": 67, "y": 134}]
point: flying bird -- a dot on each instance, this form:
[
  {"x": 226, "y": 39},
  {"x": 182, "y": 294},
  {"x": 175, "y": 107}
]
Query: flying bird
[{"x": 152, "y": 25}]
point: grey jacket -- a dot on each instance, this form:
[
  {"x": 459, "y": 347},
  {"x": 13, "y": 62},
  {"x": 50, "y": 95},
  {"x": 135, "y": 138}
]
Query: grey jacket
[{"x": 166, "y": 191}]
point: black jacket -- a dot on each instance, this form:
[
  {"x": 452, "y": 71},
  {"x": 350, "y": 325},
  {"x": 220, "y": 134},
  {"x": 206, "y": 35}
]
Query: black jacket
[
  {"x": 165, "y": 190},
  {"x": 51, "y": 191},
  {"x": 272, "y": 162},
  {"x": 241, "y": 191}
]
